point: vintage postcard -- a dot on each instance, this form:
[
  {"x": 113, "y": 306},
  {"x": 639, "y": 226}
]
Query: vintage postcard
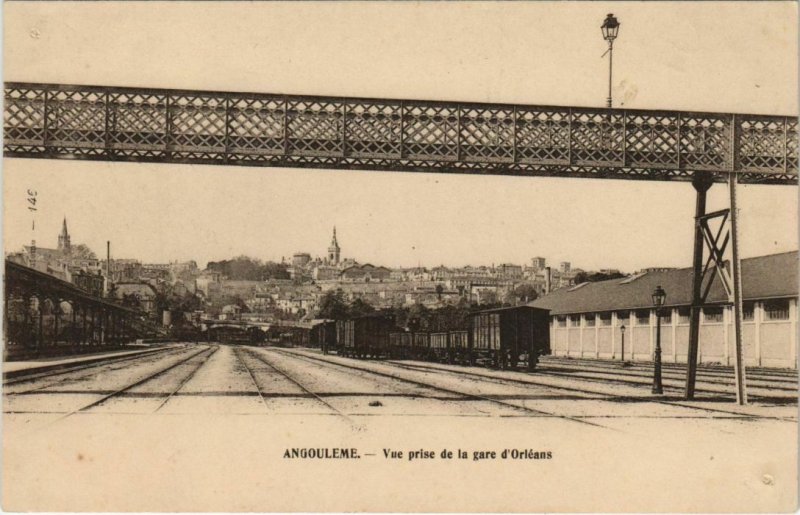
[{"x": 400, "y": 256}]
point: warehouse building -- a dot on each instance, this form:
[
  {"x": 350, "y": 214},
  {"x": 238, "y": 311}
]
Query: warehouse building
[{"x": 587, "y": 320}]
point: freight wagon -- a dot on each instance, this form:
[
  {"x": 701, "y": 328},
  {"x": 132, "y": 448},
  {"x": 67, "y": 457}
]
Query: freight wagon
[
  {"x": 400, "y": 345},
  {"x": 366, "y": 336},
  {"x": 504, "y": 337},
  {"x": 323, "y": 336}
]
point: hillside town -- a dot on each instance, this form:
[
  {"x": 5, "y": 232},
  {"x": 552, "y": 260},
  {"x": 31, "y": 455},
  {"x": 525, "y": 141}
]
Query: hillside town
[{"x": 248, "y": 289}]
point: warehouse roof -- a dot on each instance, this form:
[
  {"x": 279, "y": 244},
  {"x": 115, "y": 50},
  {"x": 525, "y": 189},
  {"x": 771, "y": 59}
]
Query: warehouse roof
[{"x": 764, "y": 277}]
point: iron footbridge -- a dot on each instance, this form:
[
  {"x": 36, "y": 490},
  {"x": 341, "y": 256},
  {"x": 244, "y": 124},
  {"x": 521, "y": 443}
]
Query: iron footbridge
[{"x": 251, "y": 129}]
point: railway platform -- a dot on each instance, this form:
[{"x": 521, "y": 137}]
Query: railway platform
[{"x": 15, "y": 369}]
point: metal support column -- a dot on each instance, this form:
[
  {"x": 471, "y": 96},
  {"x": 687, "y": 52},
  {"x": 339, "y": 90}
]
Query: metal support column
[
  {"x": 40, "y": 340},
  {"x": 73, "y": 328},
  {"x": 83, "y": 333},
  {"x": 56, "y": 317},
  {"x": 738, "y": 364},
  {"x": 93, "y": 311},
  {"x": 27, "y": 329},
  {"x": 701, "y": 182}
]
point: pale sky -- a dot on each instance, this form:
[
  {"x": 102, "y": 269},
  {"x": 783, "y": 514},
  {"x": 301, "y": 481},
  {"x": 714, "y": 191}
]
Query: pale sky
[{"x": 738, "y": 57}]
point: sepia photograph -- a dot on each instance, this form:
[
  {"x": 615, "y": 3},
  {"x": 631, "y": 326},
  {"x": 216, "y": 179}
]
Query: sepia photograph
[{"x": 369, "y": 256}]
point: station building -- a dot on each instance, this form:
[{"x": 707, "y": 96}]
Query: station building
[{"x": 586, "y": 320}]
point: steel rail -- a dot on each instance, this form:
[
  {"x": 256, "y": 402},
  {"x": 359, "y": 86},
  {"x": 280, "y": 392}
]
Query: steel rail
[
  {"x": 674, "y": 374},
  {"x": 187, "y": 379},
  {"x": 766, "y": 374},
  {"x": 136, "y": 383},
  {"x": 532, "y": 382},
  {"x": 297, "y": 383},
  {"x": 237, "y": 353},
  {"x": 443, "y": 389},
  {"x": 84, "y": 368},
  {"x": 647, "y": 382},
  {"x": 79, "y": 367}
]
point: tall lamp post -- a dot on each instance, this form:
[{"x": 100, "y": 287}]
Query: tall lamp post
[
  {"x": 659, "y": 297},
  {"x": 610, "y": 30},
  {"x": 622, "y": 350}
]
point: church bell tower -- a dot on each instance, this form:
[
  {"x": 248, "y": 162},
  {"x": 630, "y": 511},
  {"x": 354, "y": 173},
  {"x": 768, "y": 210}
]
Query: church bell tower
[
  {"x": 64, "y": 245},
  {"x": 334, "y": 250}
]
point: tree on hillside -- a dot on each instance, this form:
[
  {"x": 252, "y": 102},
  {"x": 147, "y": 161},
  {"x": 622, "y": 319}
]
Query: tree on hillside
[
  {"x": 272, "y": 270},
  {"x": 489, "y": 298},
  {"x": 451, "y": 317},
  {"x": 360, "y": 307},
  {"x": 81, "y": 251},
  {"x": 522, "y": 294},
  {"x": 333, "y": 305},
  {"x": 244, "y": 268},
  {"x": 419, "y": 318}
]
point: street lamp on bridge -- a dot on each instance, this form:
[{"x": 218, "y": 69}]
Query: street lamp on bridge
[
  {"x": 610, "y": 30},
  {"x": 659, "y": 297}
]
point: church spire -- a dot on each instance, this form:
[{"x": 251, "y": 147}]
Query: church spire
[
  {"x": 334, "y": 251},
  {"x": 63, "y": 238}
]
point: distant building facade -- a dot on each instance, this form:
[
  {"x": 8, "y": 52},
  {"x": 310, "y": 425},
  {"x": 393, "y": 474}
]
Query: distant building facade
[{"x": 586, "y": 320}]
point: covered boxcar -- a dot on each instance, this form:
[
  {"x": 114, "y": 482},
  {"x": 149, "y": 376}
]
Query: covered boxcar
[
  {"x": 340, "y": 336},
  {"x": 295, "y": 336},
  {"x": 234, "y": 334},
  {"x": 420, "y": 345},
  {"x": 400, "y": 344},
  {"x": 439, "y": 346},
  {"x": 504, "y": 337},
  {"x": 323, "y": 335},
  {"x": 458, "y": 352},
  {"x": 367, "y": 336}
]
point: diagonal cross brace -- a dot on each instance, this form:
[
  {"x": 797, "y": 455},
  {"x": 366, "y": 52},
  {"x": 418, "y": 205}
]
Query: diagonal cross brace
[{"x": 716, "y": 253}]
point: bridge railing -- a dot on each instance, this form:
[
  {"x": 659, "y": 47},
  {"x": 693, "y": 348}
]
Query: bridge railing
[{"x": 107, "y": 123}]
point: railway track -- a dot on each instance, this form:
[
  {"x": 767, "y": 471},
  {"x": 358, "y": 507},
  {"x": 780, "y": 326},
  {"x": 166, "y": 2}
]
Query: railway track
[
  {"x": 642, "y": 377},
  {"x": 186, "y": 379},
  {"x": 530, "y": 381},
  {"x": 679, "y": 367},
  {"x": 77, "y": 367},
  {"x": 208, "y": 351},
  {"x": 237, "y": 353},
  {"x": 771, "y": 377},
  {"x": 441, "y": 389},
  {"x": 646, "y": 380},
  {"x": 89, "y": 369},
  {"x": 336, "y": 411}
]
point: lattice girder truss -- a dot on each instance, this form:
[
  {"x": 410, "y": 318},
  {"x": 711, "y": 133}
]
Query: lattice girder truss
[{"x": 172, "y": 126}]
